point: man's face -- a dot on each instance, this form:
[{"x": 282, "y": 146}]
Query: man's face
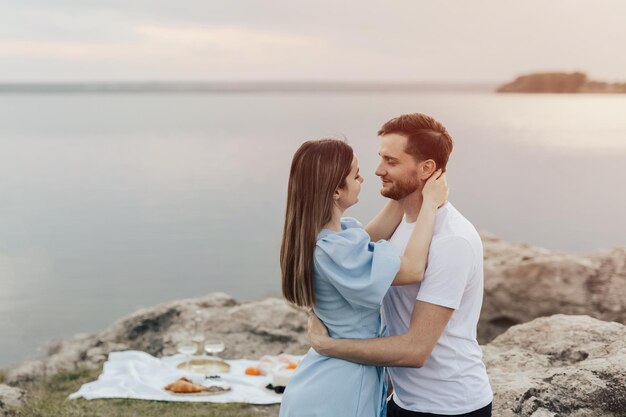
[{"x": 397, "y": 169}]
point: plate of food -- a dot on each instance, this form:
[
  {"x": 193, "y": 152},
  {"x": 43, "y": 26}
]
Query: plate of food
[
  {"x": 185, "y": 387},
  {"x": 205, "y": 365}
]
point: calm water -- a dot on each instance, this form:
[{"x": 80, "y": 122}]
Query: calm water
[{"x": 110, "y": 203}]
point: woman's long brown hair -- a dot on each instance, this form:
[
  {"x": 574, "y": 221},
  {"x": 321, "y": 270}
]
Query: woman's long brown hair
[{"x": 318, "y": 168}]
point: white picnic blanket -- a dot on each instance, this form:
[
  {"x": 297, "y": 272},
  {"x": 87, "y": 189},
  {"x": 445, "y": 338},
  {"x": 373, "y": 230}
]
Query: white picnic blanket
[{"x": 139, "y": 375}]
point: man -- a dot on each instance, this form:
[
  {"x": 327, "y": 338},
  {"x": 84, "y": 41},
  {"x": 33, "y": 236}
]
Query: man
[{"x": 435, "y": 361}]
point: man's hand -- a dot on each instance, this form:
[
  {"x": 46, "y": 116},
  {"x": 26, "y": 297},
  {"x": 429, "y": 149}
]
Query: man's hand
[
  {"x": 411, "y": 349},
  {"x": 317, "y": 333}
]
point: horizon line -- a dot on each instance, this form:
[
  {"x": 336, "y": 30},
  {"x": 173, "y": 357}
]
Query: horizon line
[{"x": 225, "y": 86}]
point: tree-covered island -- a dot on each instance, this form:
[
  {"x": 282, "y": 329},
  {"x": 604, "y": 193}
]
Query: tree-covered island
[{"x": 559, "y": 82}]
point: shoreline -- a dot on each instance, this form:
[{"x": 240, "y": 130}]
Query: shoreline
[{"x": 204, "y": 87}]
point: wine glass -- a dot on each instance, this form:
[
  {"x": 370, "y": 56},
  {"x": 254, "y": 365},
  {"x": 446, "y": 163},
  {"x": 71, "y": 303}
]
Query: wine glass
[
  {"x": 198, "y": 338},
  {"x": 213, "y": 347},
  {"x": 187, "y": 349},
  {"x": 198, "y": 335}
]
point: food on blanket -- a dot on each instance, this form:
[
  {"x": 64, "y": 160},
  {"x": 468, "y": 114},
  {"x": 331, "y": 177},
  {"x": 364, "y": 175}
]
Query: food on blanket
[
  {"x": 253, "y": 371},
  {"x": 216, "y": 389},
  {"x": 277, "y": 390},
  {"x": 281, "y": 376},
  {"x": 269, "y": 363},
  {"x": 215, "y": 386},
  {"x": 184, "y": 386},
  {"x": 182, "y": 378},
  {"x": 286, "y": 358}
]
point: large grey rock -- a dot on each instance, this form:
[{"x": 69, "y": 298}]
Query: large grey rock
[
  {"x": 523, "y": 282},
  {"x": 559, "y": 366},
  {"x": 554, "y": 366},
  {"x": 248, "y": 329},
  {"x": 10, "y": 397}
]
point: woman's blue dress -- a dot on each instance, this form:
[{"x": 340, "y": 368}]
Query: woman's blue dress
[{"x": 351, "y": 276}]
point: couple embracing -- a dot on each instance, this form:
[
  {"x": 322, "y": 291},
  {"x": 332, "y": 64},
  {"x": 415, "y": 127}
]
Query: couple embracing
[{"x": 400, "y": 296}]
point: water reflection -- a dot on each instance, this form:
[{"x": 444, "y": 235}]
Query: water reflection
[{"x": 111, "y": 203}]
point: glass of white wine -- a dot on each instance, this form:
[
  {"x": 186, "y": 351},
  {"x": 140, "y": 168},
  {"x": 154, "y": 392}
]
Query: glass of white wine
[
  {"x": 198, "y": 338},
  {"x": 198, "y": 334},
  {"x": 187, "y": 349},
  {"x": 213, "y": 347}
]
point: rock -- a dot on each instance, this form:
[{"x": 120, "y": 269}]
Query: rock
[
  {"x": 559, "y": 366},
  {"x": 10, "y": 397},
  {"x": 552, "y": 366},
  {"x": 248, "y": 330},
  {"x": 523, "y": 282}
]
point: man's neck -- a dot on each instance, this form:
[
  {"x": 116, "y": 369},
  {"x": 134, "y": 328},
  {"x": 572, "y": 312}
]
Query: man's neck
[{"x": 411, "y": 204}]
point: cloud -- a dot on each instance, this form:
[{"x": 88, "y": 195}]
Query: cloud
[
  {"x": 403, "y": 40},
  {"x": 191, "y": 50},
  {"x": 223, "y": 37},
  {"x": 58, "y": 49}
]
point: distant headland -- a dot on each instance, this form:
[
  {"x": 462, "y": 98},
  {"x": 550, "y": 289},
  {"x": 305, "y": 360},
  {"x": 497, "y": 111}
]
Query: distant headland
[{"x": 560, "y": 82}]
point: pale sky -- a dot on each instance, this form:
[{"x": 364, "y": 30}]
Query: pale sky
[{"x": 365, "y": 40}]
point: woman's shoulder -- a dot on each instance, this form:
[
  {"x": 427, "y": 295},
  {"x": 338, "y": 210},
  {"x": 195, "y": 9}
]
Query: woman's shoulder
[
  {"x": 351, "y": 237},
  {"x": 350, "y": 223}
]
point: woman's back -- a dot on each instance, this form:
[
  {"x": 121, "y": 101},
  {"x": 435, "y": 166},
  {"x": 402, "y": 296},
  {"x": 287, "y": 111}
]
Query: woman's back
[
  {"x": 351, "y": 277},
  {"x": 348, "y": 293}
]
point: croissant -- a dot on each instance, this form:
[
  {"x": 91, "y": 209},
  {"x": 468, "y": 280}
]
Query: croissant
[
  {"x": 183, "y": 378},
  {"x": 184, "y": 386}
]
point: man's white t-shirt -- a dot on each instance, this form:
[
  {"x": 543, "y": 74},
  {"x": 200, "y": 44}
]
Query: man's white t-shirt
[{"x": 454, "y": 379}]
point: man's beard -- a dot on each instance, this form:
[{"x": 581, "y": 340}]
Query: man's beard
[{"x": 400, "y": 190}]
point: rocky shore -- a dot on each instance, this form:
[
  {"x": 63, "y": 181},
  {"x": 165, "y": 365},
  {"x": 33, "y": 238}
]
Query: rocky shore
[
  {"x": 552, "y": 330},
  {"x": 523, "y": 282}
]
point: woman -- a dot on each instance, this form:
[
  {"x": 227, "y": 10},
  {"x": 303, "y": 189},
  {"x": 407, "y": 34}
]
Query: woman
[{"x": 330, "y": 264}]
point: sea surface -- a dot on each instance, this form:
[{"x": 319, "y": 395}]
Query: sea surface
[{"x": 110, "y": 202}]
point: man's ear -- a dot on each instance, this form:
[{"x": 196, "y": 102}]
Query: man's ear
[{"x": 426, "y": 169}]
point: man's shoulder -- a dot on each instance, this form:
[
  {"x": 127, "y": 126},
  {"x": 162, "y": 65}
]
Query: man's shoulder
[
  {"x": 455, "y": 226},
  {"x": 454, "y": 243}
]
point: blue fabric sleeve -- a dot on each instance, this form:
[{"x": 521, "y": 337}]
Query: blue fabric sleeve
[
  {"x": 360, "y": 270},
  {"x": 350, "y": 223}
]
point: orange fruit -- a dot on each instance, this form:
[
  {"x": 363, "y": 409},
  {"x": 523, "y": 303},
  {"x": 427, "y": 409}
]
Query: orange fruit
[{"x": 253, "y": 371}]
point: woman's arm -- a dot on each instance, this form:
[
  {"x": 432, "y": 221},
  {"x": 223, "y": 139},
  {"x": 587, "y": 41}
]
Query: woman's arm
[
  {"x": 385, "y": 222},
  {"x": 413, "y": 262}
]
